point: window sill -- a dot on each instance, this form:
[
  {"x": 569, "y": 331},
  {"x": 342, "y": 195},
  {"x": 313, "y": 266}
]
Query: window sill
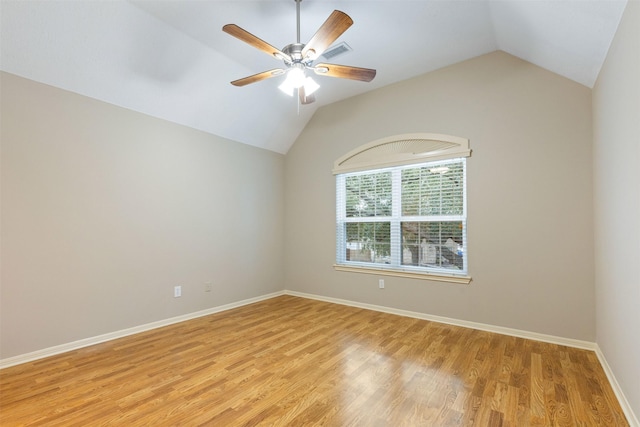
[{"x": 464, "y": 280}]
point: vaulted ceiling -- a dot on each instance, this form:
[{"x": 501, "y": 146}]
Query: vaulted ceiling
[{"x": 170, "y": 59}]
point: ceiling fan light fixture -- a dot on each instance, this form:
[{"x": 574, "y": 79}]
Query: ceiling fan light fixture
[
  {"x": 295, "y": 78},
  {"x": 310, "y": 86},
  {"x": 286, "y": 87}
]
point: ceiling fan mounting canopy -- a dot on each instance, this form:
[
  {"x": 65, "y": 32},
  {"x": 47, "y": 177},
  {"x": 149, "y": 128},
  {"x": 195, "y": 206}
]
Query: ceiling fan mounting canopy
[{"x": 299, "y": 56}]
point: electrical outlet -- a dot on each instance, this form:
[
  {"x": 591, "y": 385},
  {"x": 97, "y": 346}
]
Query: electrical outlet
[
  {"x": 177, "y": 291},
  {"x": 208, "y": 287},
  {"x": 381, "y": 283}
]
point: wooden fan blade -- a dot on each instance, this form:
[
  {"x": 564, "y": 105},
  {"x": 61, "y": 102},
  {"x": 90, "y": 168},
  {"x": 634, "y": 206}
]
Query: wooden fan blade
[
  {"x": 254, "y": 41},
  {"x": 304, "y": 98},
  {"x": 258, "y": 77},
  {"x": 336, "y": 24},
  {"x": 345, "y": 72}
]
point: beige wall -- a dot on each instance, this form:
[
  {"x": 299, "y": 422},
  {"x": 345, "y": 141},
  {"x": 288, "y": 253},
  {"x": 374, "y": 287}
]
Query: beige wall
[
  {"x": 529, "y": 195},
  {"x": 616, "y": 113},
  {"x": 104, "y": 210}
]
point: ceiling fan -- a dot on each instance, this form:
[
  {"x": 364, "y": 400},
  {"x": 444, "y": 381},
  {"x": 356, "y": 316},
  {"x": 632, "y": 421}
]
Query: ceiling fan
[{"x": 299, "y": 57}]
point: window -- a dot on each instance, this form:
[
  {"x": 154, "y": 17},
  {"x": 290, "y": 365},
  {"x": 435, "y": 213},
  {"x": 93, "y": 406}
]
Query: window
[{"x": 408, "y": 218}]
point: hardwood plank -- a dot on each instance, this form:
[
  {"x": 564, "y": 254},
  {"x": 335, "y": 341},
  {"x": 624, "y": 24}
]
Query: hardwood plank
[{"x": 294, "y": 361}]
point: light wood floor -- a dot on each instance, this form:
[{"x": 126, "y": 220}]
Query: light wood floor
[{"x": 299, "y": 362}]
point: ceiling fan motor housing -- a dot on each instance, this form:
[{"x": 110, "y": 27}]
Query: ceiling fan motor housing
[{"x": 294, "y": 50}]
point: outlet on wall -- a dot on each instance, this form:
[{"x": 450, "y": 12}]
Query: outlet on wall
[
  {"x": 208, "y": 287},
  {"x": 381, "y": 283},
  {"x": 177, "y": 291}
]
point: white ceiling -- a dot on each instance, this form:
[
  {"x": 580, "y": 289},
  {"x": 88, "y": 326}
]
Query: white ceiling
[{"x": 170, "y": 59}]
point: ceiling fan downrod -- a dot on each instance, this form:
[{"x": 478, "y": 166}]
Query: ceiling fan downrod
[
  {"x": 294, "y": 50},
  {"x": 298, "y": 21}
]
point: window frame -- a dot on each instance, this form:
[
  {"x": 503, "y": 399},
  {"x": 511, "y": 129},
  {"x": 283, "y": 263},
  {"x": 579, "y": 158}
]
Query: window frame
[{"x": 396, "y": 154}]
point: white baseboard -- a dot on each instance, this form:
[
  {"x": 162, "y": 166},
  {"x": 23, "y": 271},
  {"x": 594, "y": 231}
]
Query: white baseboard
[
  {"x": 52, "y": 351},
  {"x": 585, "y": 345},
  {"x": 622, "y": 399},
  {"x": 569, "y": 342}
]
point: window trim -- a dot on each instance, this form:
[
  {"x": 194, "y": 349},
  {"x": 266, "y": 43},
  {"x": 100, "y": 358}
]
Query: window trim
[
  {"x": 395, "y": 151},
  {"x": 400, "y": 150},
  {"x": 437, "y": 277}
]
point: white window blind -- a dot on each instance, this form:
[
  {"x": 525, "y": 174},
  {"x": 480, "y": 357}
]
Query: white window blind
[{"x": 410, "y": 218}]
